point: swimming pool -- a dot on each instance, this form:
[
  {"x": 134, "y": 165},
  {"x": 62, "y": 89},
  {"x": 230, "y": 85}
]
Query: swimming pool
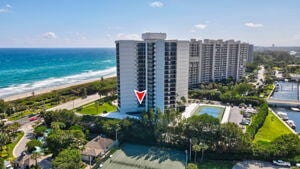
[{"x": 214, "y": 111}]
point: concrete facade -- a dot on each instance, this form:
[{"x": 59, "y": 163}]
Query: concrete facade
[
  {"x": 215, "y": 60},
  {"x": 154, "y": 64},
  {"x": 167, "y": 68}
]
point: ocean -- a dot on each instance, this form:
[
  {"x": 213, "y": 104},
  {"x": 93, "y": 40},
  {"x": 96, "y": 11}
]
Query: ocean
[{"x": 30, "y": 69}]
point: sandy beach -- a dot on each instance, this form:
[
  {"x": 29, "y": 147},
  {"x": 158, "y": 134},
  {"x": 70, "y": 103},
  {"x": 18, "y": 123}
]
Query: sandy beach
[{"x": 50, "y": 89}]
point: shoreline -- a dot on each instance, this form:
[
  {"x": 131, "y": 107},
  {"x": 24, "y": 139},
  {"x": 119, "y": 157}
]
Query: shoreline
[{"x": 50, "y": 89}]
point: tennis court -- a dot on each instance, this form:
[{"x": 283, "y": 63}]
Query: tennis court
[{"x": 137, "y": 156}]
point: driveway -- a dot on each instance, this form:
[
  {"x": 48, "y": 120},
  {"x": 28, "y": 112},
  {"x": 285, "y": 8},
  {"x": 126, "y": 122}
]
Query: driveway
[
  {"x": 28, "y": 135},
  {"x": 252, "y": 164}
]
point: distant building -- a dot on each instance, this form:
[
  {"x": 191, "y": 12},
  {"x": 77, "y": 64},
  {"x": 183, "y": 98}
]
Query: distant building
[
  {"x": 154, "y": 64},
  {"x": 250, "y": 54},
  {"x": 215, "y": 60},
  {"x": 96, "y": 148}
]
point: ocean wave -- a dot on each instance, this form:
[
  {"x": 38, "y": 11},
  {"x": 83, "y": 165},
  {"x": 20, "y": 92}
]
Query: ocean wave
[{"x": 53, "y": 82}]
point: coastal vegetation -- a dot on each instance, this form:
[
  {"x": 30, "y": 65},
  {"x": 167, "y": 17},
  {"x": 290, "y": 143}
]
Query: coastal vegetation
[
  {"x": 35, "y": 104},
  {"x": 9, "y": 137},
  {"x": 230, "y": 92}
]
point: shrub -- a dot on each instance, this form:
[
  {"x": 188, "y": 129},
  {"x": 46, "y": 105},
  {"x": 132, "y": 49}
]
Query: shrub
[
  {"x": 32, "y": 144},
  {"x": 258, "y": 120}
]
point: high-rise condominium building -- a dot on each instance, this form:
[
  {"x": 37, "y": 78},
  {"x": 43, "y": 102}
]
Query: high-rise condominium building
[
  {"x": 154, "y": 64},
  {"x": 214, "y": 60}
]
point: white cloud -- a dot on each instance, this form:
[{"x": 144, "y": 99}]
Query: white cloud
[
  {"x": 123, "y": 36},
  {"x": 49, "y": 35},
  {"x": 200, "y": 26},
  {"x": 5, "y": 9},
  {"x": 156, "y": 4},
  {"x": 253, "y": 25}
]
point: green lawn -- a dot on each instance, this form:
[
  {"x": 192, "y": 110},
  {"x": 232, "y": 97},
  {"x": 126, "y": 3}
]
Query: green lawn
[
  {"x": 216, "y": 164},
  {"x": 90, "y": 109},
  {"x": 7, "y": 151},
  {"x": 271, "y": 129}
]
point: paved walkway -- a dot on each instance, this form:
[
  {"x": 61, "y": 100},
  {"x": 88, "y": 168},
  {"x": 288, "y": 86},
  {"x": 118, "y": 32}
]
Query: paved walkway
[
  {"x": 251, "y": 164},
  {"x": 76, "y": 103},
  {"x": 28, "y": 135}
]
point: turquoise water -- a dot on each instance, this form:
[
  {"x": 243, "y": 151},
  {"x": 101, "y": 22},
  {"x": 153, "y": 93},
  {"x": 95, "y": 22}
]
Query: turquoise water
[
  {"x": 210, "y": 110},
  {"x": 25, "y": 70}
]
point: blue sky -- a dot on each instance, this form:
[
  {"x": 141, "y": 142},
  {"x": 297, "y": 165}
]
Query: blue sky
[{"x": 98, "y": 23}]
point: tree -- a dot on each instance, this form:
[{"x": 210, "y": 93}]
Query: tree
[
  {"x": 65, "y": 116},
  {"x": 196, "y": 148},
  {"x": 31, "y": 145},
  {"x": 203, "y": 147},
  {"x": 192, "y": 166},
  {"x": 35, "y": 156},
  {"x": 39, "y": 130},
  {"x": 4, "y": 139},
  {"x": 67, "y": 159},
  {"x": 84, "y": 93},
  {"x": 58, "y": 125},
  {"x": 286, "y": 145},
  {"x": 61, "y": 139}
]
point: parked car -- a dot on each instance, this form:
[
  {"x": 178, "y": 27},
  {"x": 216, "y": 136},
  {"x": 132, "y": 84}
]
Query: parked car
[
  {"x": 247, "y": 115},
  {"x": 282, "y": 163},
  {"x": 33, "y": 118},
  {"x": 245, "y": 121},
  {"x": 298, "y": 165}
]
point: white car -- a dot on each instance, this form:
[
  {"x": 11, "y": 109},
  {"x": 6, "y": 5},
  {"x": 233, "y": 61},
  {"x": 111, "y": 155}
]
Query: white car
[
  {"x": 298, "y": 165},
  {"x": 281, "y": 163}
]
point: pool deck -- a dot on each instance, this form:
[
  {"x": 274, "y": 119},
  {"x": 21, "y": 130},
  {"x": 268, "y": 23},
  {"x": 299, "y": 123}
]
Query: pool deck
[{"x": 190, "y": 109}]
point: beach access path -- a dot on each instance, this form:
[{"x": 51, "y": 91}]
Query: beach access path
[{"x": 76, "y": 103}]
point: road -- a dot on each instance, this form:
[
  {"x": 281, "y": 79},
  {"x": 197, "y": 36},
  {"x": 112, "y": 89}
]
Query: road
[
  {"x": 260, "y": 76},
  {"x": 76, "y": 103},
  {"x": 28, "y": 135}
]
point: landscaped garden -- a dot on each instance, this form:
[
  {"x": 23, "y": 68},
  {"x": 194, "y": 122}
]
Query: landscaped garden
[
  {"x": 96, "y": 108},
  {"x": 7, "y": 150},
  {"x": 271, "y": 129}
]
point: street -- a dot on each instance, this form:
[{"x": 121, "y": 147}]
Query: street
[{"x": 76, "y": 103}]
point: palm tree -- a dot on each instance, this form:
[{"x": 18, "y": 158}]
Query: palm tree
[
  {"x": 196, "y": 148},
  {"x": 4, "y": 139},
  {"x": 35, "y": 156},
  {"x": 97, "y": 106},
  {"x": 203, "y": 148}
]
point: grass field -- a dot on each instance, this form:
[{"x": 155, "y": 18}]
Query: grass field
[
  {"x": 271, "y": 129},
  {"x": 136, "y": 157},
  {"x": 90, "y": 109},
  {"x": 216, "y": 164}
]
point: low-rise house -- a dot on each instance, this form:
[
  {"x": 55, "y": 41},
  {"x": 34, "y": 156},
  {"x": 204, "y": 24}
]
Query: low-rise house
[
  {"x": 24, "y": 162},
  {"x": 97, "y": 147}
]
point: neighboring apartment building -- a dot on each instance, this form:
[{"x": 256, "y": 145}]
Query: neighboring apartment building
[
  {"x": 154, "y": 64},
  {"x": 167, "y": 68},
  {"x": 214, "y": 60}
]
